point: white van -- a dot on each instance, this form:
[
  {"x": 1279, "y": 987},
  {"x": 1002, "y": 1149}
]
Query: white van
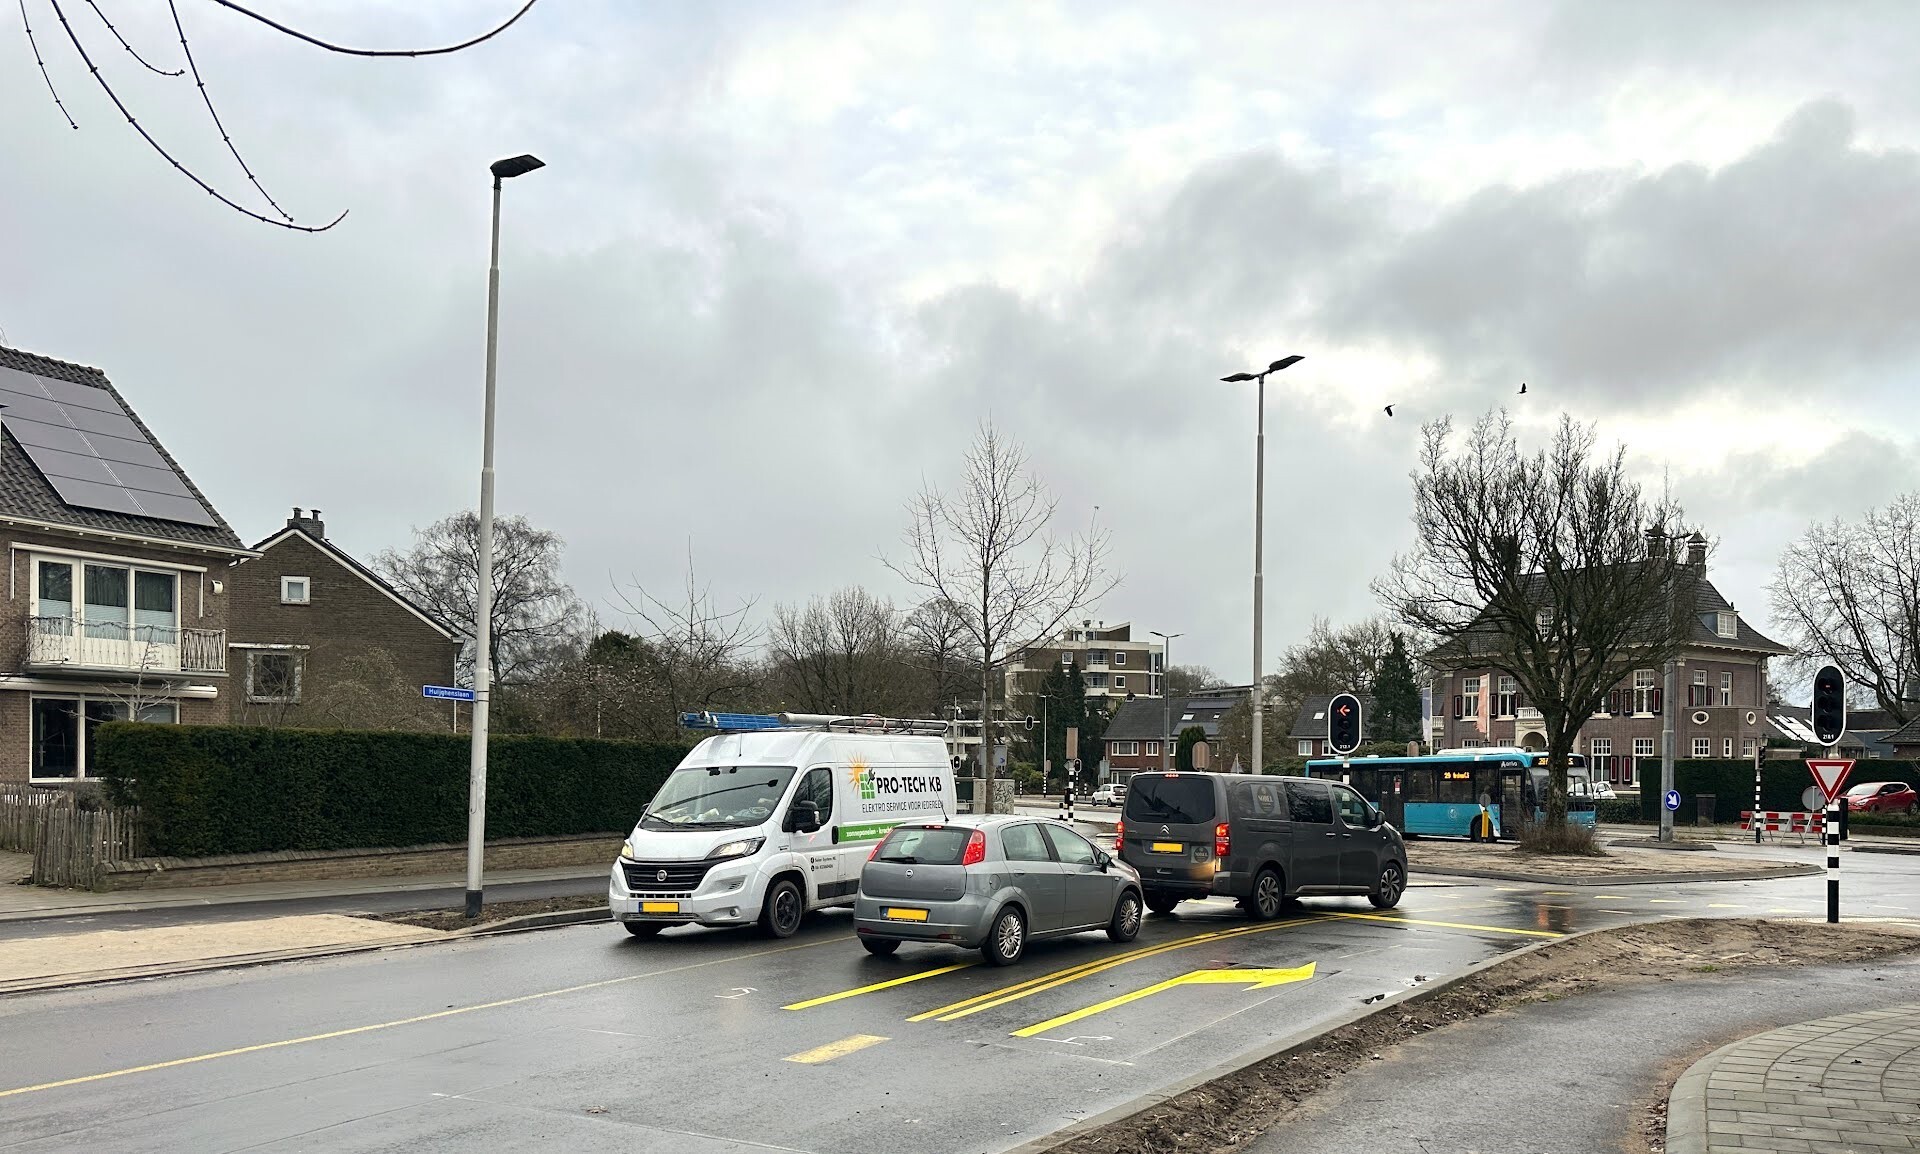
[{"x": 775, "y": 818}]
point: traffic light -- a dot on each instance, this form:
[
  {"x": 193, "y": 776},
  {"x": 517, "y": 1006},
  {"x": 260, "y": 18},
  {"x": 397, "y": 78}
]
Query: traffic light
[
  {"x": 1829, "y": 705},
  {"x": 1343, "y": 724}
]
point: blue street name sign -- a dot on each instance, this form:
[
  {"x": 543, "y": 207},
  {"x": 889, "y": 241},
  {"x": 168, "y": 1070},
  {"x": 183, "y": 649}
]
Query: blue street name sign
[
  {"x": 449, "y": 693},
  {"x": 1673, "y": 799}
]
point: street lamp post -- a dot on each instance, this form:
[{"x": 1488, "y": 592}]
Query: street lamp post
[
  {"x": 1166, "y": 697},
  {"x": 1259, "y": 525},
  {"x": 1657, "y": 540},
  {"x": 483, "y": 597}
]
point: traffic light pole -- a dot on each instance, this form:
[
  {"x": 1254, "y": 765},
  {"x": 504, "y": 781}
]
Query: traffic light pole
[{"x": 1833, "y": 851}]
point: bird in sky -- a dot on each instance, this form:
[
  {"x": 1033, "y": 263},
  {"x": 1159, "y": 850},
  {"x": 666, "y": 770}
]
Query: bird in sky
[
  {"x": 1389, "y": 410},
  {"x": 1523, "y": 388}
]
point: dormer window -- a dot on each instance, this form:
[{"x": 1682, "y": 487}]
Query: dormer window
[{"x": 1726, "y": 624}]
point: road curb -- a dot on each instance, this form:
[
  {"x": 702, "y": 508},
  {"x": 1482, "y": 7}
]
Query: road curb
[
  {"x": 1909, "y": 850},
  {"x": 1297, "y": 1041},
  {"x": 1687, "y": 1104},
  {"x": 522, "y": 924},
  {"x": 1783, "y": 871}
]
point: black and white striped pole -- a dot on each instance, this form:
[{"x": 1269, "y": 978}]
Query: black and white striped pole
[
  {"x": 1829, "y": 717},
  {"x": 1759, "y": 750}
]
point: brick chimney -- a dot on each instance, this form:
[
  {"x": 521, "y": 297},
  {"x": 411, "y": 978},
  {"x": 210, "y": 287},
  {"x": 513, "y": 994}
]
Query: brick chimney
[
  {"x": 312, "y": 526},
  {"x": 1696, "y": 549}
]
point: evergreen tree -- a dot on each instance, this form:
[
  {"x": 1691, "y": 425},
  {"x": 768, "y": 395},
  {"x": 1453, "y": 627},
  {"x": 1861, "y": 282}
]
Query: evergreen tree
[
  {"x": 1396, "y": 698},
  {"x": 1191, "y": 736}
]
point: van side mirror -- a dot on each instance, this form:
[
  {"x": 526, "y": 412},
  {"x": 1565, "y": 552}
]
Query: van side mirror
[
  {"x": 1375, "y": 818},
  {"x": 803, "y": 817}
]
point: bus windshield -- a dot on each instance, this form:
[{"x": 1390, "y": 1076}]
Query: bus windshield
[{"x": 717, "y": 796}]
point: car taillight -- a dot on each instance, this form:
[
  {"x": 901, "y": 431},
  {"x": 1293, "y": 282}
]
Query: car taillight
[
  {"x": 1222, "y": 841},
  {"x": 976, "y": 849},
  {"x": 876, "y": 849}
]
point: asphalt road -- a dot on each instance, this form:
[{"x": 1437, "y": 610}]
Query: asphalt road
[{"x": 704, "y": 1041}]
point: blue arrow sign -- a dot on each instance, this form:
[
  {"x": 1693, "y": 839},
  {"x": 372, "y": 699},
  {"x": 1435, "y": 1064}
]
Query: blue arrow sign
[
  {"x": 1673, "y": 799},
  {"x": 446, "y": 693}
]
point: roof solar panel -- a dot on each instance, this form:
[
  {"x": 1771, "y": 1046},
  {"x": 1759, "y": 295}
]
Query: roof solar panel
[{"x": 93, "y": 454}]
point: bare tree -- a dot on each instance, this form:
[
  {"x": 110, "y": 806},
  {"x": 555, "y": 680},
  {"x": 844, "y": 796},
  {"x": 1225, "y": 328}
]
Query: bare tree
[
  {"x": 1539, "y": 566},
  {"x": 535, "y": 613},
  {"x": 1187, "y": 680},
  {"x": 984, "y": 551},
  {"x": 843, "y": 653},
  {"x": 1849, "y": 592},
  {"x": 948, "y": 665},
  {"x": 1329, "y": 660},
  {"x": 691, "y": 654},
  {"x": 365, "y": 689}
]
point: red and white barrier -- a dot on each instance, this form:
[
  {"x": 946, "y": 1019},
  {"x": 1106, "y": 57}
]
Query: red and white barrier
[{"x": 1784, "y": 821}]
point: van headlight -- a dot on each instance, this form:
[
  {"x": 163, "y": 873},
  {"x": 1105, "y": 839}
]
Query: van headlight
[
  {"x": 745, "y": 847},
  {"x": 626, "y": 852}
]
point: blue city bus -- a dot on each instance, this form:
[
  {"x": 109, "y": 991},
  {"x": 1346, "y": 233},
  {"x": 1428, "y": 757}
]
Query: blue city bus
[{"x": 1459, "y": 792}]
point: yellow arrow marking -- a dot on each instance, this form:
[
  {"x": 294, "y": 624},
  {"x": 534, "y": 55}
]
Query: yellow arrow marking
[{"x": 1256, "y": 979}]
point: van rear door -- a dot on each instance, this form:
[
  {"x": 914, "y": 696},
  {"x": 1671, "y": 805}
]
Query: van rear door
[{"x": 1170, "y": 822}]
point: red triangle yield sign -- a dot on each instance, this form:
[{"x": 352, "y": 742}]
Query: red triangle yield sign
[{"x": 1830, "y": 775}]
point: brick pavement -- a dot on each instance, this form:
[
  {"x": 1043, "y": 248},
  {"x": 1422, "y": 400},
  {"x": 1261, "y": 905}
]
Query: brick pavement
[{"x": 1842, "y": 1085}]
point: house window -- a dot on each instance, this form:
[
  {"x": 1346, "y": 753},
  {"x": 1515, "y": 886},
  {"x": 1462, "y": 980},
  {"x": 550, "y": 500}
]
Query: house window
[
  {"x": 295, "y": 590},
  {"x": 63, "y": 729},
  {"x": 1703, "y": 747},
  {"x": 1304, "y": 747},
  {"x": 1096, "y": 681},
  {"x": 273, "y": 677},
  {"x": 1096, "y": 657},
  {"x": 1726, "y": 624},
  {"x": 1153, "y": 749},
  {"x": 1697, "y": 692},
  {"x": 1598, "y": 747},
  {"x": 1119, "y": 657},
  {"x": 1472, "y": 743},
  {"x": 1543, "y": 619},
  {"x": 124, "y": 617},
  {"x": 1726, "y": 687},
  {"x": 1119, "y": 681},
  {"x": 1746, "y": 748},
  {"x": 1726, "y": 747},
  {"x": 1126, "y": 749},
  {"x": 1643, "y": 747},
  {"x": 1509, "y": 701},
  {"x": 1470, "y": 694},
  {"x": 1646, "y": 699}
]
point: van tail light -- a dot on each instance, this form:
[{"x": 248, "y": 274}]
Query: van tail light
[
  {"x": 976, "y": 849},
  {"x": 1222, "y": 840},
  {"x": 1119, "y": 831}
]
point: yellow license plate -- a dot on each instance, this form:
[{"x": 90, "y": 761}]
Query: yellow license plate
[
  {"x": 659, "y": 907},
  {"x": 1167, "y": 847},
  {"x": 907, "y": 915}
]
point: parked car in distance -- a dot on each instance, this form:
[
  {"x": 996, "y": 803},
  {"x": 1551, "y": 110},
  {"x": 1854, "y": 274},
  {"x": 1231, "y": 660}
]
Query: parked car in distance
[
  {"x": 1882, "y": 797},
  {"x": 1263, "y": 840},
  {"x": 1110, "y": 795},
  {"x": 992, "y": 883}
]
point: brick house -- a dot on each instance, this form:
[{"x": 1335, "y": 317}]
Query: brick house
[
  {"x": 1134, "y": 734},
  {"x": 116, "y": 566},
  {"x": 1720, "y": 684},
  {"x": 318, "y": 640},
  {"x": 1308, "y": 738}
]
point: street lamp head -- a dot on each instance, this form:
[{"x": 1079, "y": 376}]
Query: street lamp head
[
  {"x": 1237, "y": 378},
  {"x": 514, "y": 166},
  {"x": 1283, "y": 363}
]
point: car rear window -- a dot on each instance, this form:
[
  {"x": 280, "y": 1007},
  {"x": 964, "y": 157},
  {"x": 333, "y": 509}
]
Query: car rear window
[
  {"x": 1184, "y": 798},
  {"x": 925, "y": 845}
]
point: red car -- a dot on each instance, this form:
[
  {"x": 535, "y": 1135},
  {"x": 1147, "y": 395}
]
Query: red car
[{"x": 1883, "y": 797}]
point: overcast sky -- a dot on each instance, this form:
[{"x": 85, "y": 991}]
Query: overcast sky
[{"x": 785, "y": 257}]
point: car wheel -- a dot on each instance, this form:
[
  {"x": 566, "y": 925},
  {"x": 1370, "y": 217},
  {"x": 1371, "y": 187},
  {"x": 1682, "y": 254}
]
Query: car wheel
[
  {"x": 880, "y": 947},
  {"x": 1162, "y": 903},
  {"x": 643, "y": 929},
  {"x": 781, "y": 913},
  {"x": 1393, "y": 883},
  {"x": 1007, "y": 940},
  {"x": 1125, "y": 925},
  {"x": 1913, "y": 810},
  {"x": 1269, "y": 895}
]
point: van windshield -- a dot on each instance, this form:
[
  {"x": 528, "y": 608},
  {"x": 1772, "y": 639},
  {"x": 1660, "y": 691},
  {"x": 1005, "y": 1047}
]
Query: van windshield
[
  {"x": 1186, "y": 798},
  {"x": 717, "y": 796}
]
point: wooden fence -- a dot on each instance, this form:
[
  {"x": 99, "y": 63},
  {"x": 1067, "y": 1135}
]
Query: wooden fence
[{"x": 70, "y": 843}]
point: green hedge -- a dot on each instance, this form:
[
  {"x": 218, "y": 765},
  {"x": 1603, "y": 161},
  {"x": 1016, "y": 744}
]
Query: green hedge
[
  {"x": 1731, "y": 784},
  {"x": 215, "y": 790},
  {"x": 1617, "y": 811}
]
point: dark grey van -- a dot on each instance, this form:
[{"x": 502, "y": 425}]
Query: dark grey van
[{"x": 1260, "y": 839}]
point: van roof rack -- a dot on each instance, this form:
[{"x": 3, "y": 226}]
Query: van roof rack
[{"x": 838, "y": 723}]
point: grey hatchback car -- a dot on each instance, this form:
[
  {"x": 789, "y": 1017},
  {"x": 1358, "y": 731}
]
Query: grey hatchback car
[
  {"x": 1263, "y": 840},
  {"x": 993, "y": 883}
]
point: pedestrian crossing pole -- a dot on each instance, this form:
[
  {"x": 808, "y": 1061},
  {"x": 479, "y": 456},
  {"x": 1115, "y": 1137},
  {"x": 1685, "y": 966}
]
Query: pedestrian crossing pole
[{"x": 1759, "y": 748}]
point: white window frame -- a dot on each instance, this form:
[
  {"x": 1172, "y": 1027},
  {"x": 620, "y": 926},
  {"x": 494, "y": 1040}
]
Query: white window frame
[
  {"x": 1507, "y": 701},
  {"x": 1096, "y": 680},
  {"x": 1473, "y": 743},
  {"x": 1726, "y": 748},
  {"x": 1153, "y": 749},
  {"x": 1746, "y": 748},
  {"x": 1119, "y": 681},
  {"x": 1644, "y": 687},
  {"x": 1643, "y": 747},
  {"x": 306, "y": 588},
  {"x": 81, "y": 701},
  {"x": 1702, "y": 747},
  {"x": 1470, "y": 696},
  {"x": 1126, "y": 749},
  {"x": 1303, "y": 747},
  {"x": 298, "y": 656},
  {"x": 1726, "y": 687},
  {"x": 1726, "y": 624},
  {"x": 1599, "y": 747},
  {"x": 1119, "y": 657}
]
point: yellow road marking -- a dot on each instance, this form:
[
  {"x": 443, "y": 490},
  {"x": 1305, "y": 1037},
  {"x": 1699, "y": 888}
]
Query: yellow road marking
[
  {"x": 1723, "y": 906},
  {"x": 1665, "y": 902},
  {"x": 1258, "y": 979},
  {"x": 448, "y": 1013},
  {"x": 832, "y": 1050},
  {"x": 1447, "y": 925},
  {"x": 996, "y": 998},
  {"x": 1609, "y": 898},
  {"x": 812, "y": 1002}
]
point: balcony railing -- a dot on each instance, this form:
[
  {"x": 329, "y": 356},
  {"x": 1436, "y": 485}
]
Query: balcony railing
[
  {"x": 115, "y": 645},
  {"x": 1528, "y": 713}
]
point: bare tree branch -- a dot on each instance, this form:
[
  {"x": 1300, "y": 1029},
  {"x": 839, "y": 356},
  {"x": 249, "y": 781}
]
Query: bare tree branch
[{"x": 330, "y": 47}]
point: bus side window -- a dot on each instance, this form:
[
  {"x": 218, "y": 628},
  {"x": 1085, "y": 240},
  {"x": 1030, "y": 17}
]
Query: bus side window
[
  {"x": 1367, "y": 781},
  {"x": 1457, "y": 786},
  {"x": 1240, "y": 800},
  {"x": 1420, "y": 783}
]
